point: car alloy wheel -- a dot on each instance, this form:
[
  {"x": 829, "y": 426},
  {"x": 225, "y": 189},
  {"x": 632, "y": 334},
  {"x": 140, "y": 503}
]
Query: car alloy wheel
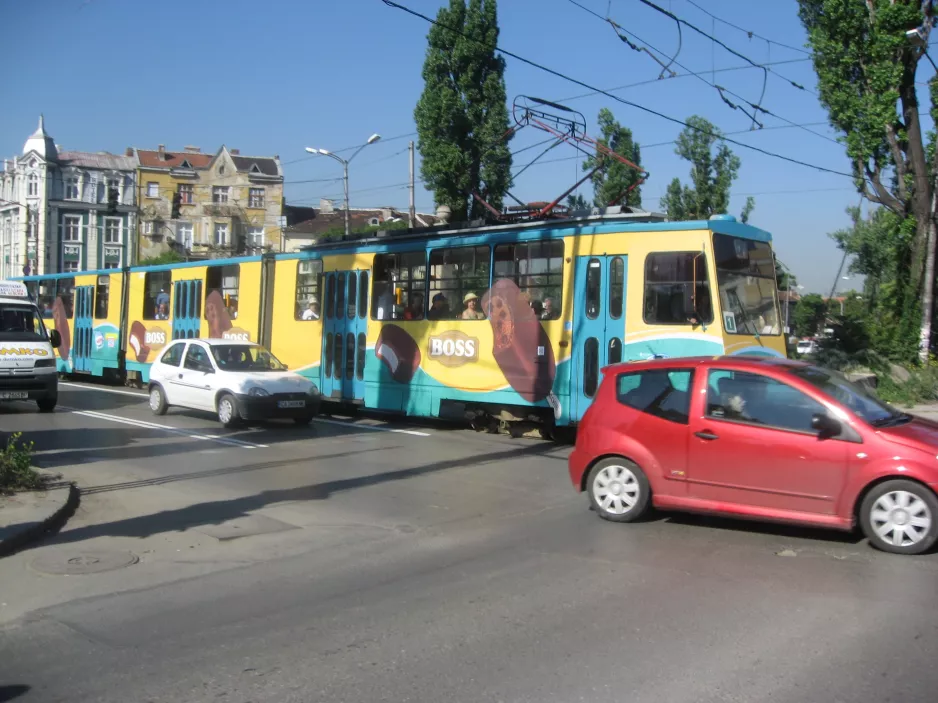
[
  {"x": 899, "y": 516},
  {"x": 228, "y": 410},
  {"x": 157, "y": 401},
  {"x": 618, "y": 490}
]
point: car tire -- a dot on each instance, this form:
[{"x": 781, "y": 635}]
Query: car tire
[
  {"x": 618, "y": 490},
  {"x": 900, "y": 517},
  {"x": 158, "y": 404},
  {"x": 228, "y": 413},
  {"x": 47, "y": 405}
]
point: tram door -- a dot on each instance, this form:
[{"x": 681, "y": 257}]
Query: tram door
[
  {"x": 84, "y": 329},
  {"x": 598, "y": 323},
  {"x": 187, "y": 309},
  {"x": 342, "y": 370}
]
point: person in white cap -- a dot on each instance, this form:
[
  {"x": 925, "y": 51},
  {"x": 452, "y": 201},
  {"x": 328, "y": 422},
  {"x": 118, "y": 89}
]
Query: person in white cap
[
  {"x": 312, "y": 312},
  {"x": 472, "y": 312}
]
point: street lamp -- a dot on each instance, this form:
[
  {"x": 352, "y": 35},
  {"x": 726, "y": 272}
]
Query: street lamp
[{"x": 325, "y": 152}]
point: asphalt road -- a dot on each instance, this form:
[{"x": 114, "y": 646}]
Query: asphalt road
[{"x": 365, "y": 561}]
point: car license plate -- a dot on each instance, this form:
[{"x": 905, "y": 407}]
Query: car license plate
[
  {"x": 291, "y": 404},
  {"x": 13, "y": 395}
]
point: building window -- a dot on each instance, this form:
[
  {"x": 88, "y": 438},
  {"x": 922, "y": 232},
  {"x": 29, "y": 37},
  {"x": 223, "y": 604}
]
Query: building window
[
  {"x": 255, "y": 237},
  {"x": 220, "y": 194},
  {"x": 156, "y": 285},
  {"x": 458, "y": 275},
  {"x": 71, "y": 231},
  {"x": 308, "y": 275},
  {"x": 537, "y": 270},
  {"x": 185, "y": 193},
  {"x": 112, "y": 230},
  {"x": 32, "y": 185},
  {"x": 399, "y": 286},
  {"x": 222, "y": 280},
  {"x": 677, "y": 289},
  {"x": 153, "y": 189},
  {"x": 112, "y": 258},
  {"x": 71, "y": 188},
  {"x": 184, "y": 234},
  {"x": 255, "y": 197},
  {"x": 221, "y": 234},
  {"x": 70, "y": 266}
]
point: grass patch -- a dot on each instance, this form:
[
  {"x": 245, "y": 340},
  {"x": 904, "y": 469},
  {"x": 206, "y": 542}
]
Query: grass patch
[{"x": 16, "y": 471}]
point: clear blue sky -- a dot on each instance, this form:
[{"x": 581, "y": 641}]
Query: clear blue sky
[{"x": 275, "y": 77}]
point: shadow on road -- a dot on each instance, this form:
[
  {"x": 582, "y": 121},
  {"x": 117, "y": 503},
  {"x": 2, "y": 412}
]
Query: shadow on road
[
  {"x": 8, "y": 693},
  {"x": 763, "y": 528},
  {"x": 217, "y": 512}
]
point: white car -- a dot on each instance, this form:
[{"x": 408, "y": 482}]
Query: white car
[{"x": 237, "y": 380}]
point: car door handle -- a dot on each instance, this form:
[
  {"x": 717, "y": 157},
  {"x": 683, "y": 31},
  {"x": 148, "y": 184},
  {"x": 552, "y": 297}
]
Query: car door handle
[
  {"x": 180, "y": 375},
  {"x": 706, "y": 435}
]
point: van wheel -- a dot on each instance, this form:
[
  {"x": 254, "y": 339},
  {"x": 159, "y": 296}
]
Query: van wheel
[
  {"x": 228, "y": 414},
  {"x": 47, "y": 405},
  {"x": 900, "y": 517},
  {"x": 618, "y": 490},
  {"x": 158, "y": 400}
]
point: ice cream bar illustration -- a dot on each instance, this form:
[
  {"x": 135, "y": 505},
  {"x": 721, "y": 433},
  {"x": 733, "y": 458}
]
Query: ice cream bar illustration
[
  {"x": 60, "y": 318},
  {"x": 399, "y": 352},
  {"x": 219, "y": 321},
  {"x": 138, "y": 337},
  {"x": 521, "y": 346}
]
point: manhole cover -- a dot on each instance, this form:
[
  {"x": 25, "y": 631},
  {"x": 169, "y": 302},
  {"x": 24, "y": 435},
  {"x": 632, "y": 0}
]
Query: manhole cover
[{"x": 79, "y": 563}]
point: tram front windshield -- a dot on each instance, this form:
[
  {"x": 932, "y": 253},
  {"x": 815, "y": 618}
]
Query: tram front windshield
[{"x": 746, "y": 277}]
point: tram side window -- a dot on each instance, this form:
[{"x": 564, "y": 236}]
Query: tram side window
[
  {"x": 65, "y": 289},
  {"x": 677, "y": 289},
  {"x": 101, "y": 297},
  {"x": 156, "y": 285},
  {"x": 461, "y": 276},
  {"x": 537, "y": 269},
  {"x": 224, "y": 281},
  {"x": 399, "y": 286},
  {"x": 308, "y": 277},
  {"x": 44, "y": 294}
]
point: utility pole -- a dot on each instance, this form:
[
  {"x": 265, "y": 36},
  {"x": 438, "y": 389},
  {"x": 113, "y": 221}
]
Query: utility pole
[{"x": 412, "y": 213}]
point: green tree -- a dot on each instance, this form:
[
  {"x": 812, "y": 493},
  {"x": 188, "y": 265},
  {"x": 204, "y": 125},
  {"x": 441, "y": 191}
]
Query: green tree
[
  {"x": 784, "y": 279},
  {"x": 712, "y": 174},
  {"x": 577, "y": 202},
  {"x": 866, "y": 67},
  {"x": 809, "y": 315},
  {"x": 614, "y": 178},
  {"x": 167, "y": 257},
  {"x": 462, "y": 115}
]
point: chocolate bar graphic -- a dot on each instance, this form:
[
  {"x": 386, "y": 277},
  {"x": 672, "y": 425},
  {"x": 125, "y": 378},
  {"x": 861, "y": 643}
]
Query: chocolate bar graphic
[
  {"x": 60, "y": 318},
  {"x": 521, "y": 346},
  {"x": 138, "y": 336},
  {"x": 399, "y": 352}
]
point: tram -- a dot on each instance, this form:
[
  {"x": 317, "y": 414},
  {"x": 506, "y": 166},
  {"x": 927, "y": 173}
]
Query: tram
[{"x": 506, "y": 322}]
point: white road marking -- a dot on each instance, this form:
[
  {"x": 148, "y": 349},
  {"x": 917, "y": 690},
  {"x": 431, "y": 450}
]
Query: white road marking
[
  {"x": 167, "y": 428},
  {"x": 372, "y": 427},
  {"x": 103, "y": 390}
]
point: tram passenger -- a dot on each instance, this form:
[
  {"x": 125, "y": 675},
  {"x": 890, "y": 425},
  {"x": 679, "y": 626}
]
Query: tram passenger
[
  {"x": 312, "y": 310},
  {"x": 549, "y": 313},
  {"x": 472, "y": 312},
  {"x": 414, "y": 311},
  {"x": 439, "y": 310}
]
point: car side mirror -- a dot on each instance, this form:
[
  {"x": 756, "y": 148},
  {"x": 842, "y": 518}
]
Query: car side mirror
[
  {"x": 55, "y": 337},
  {"x": 825, "y": 425}
]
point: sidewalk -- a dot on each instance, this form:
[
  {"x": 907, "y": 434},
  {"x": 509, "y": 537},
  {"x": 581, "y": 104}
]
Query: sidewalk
[
  {"x": 927, "y": 410},
  {"x": 26, "y": 516}
]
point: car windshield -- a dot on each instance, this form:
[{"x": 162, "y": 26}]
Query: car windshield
[
  {"x": 851, "y": 395},
  {"x": 241, "y": 357},
  {"x": 21, "y": 323}
]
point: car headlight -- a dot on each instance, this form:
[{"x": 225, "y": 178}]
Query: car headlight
[
  {"x": 45, "y": 363},
  {"x": 258, "y": 392},
  {"x": 312, "y": 390}
]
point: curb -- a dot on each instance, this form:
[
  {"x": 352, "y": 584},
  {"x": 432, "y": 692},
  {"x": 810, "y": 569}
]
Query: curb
[{"x": 52, "y": 523}]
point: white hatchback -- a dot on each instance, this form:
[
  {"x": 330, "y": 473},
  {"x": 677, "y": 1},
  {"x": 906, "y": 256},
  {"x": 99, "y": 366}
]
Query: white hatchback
[{"x": 237, "y": 380}]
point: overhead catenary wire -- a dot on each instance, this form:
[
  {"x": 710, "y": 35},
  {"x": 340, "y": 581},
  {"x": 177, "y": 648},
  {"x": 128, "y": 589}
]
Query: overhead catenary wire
[
  {"x": 630, "y": 103},
  {"x": 747, "y": 31}
]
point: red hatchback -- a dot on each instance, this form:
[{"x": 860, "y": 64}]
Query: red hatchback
[{"x": 761, "y": 438}]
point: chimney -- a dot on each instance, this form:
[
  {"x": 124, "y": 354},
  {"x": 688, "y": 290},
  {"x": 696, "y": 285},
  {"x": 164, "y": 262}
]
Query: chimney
[
  {"x": 129, "y": 151},
  {"x": 162, "y": 150},
  {"x": 234, "y": 152},
  {"x": 325, "y": 206},
  {"x": 192, "y": 149}
]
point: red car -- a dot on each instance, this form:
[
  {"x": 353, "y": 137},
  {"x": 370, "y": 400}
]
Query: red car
[{"x": 760, "y": 438}]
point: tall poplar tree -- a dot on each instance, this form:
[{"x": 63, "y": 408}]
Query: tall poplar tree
[{"x": 462, "y": 115}]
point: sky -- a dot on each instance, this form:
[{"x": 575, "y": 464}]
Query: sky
[{"x": 276, "y": 77}]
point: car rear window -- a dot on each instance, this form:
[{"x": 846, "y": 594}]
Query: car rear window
[{"x": 664, "y": 393}]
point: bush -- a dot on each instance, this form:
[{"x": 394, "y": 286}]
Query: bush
[
  {"x": 921, "y": 387},
  {"x": 16, "y": 471}
]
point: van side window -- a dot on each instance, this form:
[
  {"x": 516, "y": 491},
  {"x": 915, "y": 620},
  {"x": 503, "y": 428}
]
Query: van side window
[
  {"x": 664, "y": 393},
  {"x": 677, "y": 288}
]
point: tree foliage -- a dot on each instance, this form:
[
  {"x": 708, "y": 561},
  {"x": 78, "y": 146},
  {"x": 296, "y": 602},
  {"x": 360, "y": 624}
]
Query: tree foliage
[
  {"x": 712, "y": 174},
  {"x": 611, "y": 183},
  {"x": 866, "y": 67},
  {"x": 577, "y": 202},
  {"x": 462, "y": 115},
  {"x": 808, "y": 315},
  {"x": 167, "y": 257}
]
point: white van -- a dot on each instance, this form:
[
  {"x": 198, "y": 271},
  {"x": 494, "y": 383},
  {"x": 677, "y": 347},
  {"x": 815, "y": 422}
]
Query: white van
[{"x": 27, "y": 359}]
